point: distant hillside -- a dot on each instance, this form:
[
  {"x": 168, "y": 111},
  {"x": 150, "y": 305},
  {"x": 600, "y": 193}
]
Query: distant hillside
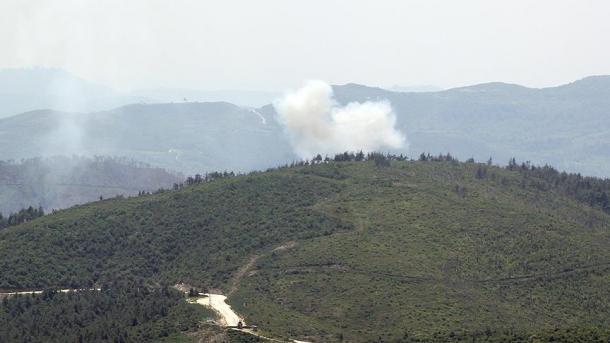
[
  {"x": 566, "y": 126},
  {"x": 60, "y": 182},
  {"x": 238, "y": 97},
  {"x": 189, "y": 137},
  {"x": 29, "y": 89},
  {"x": 428, "y": 250}
]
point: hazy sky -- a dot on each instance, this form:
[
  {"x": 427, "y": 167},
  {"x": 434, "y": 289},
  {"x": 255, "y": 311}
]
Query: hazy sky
[{"x": 275, "y": 44}]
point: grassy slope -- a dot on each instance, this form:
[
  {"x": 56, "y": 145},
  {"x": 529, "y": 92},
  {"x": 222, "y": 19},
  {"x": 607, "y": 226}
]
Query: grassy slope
[{"x": 380, "y": 252}]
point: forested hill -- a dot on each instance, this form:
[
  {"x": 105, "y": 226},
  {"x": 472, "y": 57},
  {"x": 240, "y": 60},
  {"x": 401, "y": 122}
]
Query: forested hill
[
  {"x": 60, "y": 182},
  {"x": 353, "y": 249}
]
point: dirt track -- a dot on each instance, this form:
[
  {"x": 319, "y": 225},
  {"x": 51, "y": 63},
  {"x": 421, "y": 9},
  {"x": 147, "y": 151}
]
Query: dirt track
[{"x": 228, "y": 317}]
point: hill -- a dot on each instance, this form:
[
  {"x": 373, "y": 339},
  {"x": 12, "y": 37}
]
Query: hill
[
  {"x": 28, "y": 89},
  {"x": 375, "y": 250},
  {"x": 189, "y": 137},
  {"x": 565, "y": 126},
  {"x": 60, "y": 182}
]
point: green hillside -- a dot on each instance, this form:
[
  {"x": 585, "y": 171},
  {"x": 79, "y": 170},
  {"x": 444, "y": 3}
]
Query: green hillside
[
  {"x": 117, "y": 313},
  {"x": 358, "y": 251}
]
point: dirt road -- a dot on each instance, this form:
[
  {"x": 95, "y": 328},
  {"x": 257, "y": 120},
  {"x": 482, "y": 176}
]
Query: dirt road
[{"x": 217, "y": 302}]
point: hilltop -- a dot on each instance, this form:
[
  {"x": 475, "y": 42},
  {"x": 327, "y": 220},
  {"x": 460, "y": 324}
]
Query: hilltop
[{"x": 384, "y": 250}]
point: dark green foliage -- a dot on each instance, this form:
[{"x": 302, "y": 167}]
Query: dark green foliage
[
  {"x": 434, "y": 248},
  {"x": 584, "y": 334},
  {"x": 240, "y": 337},
  {"x": 437, "y": 249},
  {"x": 380, "y": 160},
  {"x": 589, "y": 190},
  {"x": 198, "y": 235},
  {"x": 118, "y": 313},
  {"x": 21, "y": 216},
  {"x": 481, "y": 172}
]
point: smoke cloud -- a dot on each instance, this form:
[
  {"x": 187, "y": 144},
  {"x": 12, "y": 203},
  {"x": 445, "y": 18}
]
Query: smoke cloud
[
  {"x": 316, "y": 123},
  {"x": 68, "y": 136}
]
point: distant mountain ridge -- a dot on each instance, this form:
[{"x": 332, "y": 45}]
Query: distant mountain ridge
[
  {"x": 567, "y": 126},
  {"x": 244, "y": 98},
  {"x": 28, "y": 89},
  {"x": 187, "y": 137}
]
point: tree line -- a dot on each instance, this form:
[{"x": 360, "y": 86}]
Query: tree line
[
  {"x": 591, "y": 190},
  {"x": 119, "y": 312},
  {"x": 22, "y": 216}
]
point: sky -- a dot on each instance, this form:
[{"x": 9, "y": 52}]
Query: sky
[{"x": 277, "y": 44}]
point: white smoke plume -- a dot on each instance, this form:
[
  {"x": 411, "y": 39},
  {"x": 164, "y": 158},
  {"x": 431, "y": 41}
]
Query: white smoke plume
[{"x": 317, "y": 124}]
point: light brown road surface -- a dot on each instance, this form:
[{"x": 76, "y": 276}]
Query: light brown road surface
[{"x": 217, "y": 302}]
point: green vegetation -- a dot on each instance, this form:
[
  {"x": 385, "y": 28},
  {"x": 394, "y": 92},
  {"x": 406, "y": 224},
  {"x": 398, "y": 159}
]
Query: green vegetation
[
  {"x": 581, "y": 334},
  {"x": 198, "y": 235},
  {"x": 373, "y": 250},
  {"x": 213, "y": 333},
  {"x": 118, "y": 313},
  {"x": 21, "y": 216}
]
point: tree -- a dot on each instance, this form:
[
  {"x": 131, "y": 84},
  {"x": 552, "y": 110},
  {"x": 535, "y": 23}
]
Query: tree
[
  {"x": 512, "y": 163},
  {"x": 380, "y": 160},
  {"x": 360, "y": 156}
]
